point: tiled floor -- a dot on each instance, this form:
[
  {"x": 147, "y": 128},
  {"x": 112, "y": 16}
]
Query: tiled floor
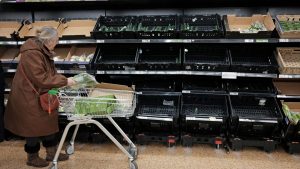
[{"x": 107, "y": 156}]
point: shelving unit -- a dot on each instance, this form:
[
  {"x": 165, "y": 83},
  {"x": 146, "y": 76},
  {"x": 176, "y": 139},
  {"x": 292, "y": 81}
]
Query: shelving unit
[{"x": 179, "y": 73}]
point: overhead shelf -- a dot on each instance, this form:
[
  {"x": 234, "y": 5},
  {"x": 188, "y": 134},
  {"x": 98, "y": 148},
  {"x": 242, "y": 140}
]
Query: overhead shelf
[
  {"x": 225, "y": 75},
  {"x": 8, "y": 42},
  {"x": 93, "y": 41}
]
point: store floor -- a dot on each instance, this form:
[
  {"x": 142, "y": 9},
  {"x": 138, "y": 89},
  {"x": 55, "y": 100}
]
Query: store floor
[{"x": 107, "y": 156}]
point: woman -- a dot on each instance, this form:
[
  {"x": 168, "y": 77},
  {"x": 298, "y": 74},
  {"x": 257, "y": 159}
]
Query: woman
[{"x": 24, "y": 115}]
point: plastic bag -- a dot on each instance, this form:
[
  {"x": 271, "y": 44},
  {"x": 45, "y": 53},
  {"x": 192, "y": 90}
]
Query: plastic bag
[{"x": 84, "y": 80}]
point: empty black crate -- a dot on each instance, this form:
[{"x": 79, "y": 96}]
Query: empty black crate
[
  {"x": 253, "y": 60},
  {"x": 158, "y": 27},
  {"x": 206, "y": 58},
  {"x": 157, "y": 113},
  {"x": 154, "y": 83},
  {"x": 203, "y": 84},
  {"x": 115, "y": 27},
  {"x": 204, "y": 114},
  {"x": 252, "y": 86},
  {"x": 159, "y": 57},
  {"x": 116, "y": 57},
  {"x": 254, "y": 117},
  {"x": 201, "y": 27}
]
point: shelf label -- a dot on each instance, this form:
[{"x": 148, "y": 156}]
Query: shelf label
[
  {"x": 234, "y": 93},
  {"x": 145, "y": 40},
  {"x": 100, "y": 72},
  {"x": 283, "y": 40},
  {"x": 11, "y": 70},
  {"x": 249, "y": 40},
  {"x": 212, "y": 118},
  {"x": 229, "y": 75},
  {"x": 186, "y": 91},
  {"x": 60, "y": 71},
  {"x": 262, "y": 40},
  {"x": 62, "y": 42},
  {"x": 100, "y": 41}
]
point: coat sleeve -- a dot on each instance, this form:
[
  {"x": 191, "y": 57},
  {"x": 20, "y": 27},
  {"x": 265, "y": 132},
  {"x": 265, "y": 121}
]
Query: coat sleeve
[{"x": 36, "y": 71}]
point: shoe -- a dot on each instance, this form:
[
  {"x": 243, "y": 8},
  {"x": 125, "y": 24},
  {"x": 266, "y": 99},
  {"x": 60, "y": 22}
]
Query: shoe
[
  {"x": 35, "y": 161},
  {"x": 51, "y": 153}
]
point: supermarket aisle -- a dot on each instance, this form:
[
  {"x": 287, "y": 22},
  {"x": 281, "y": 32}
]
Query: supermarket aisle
[{"x": 106, "y": 156}]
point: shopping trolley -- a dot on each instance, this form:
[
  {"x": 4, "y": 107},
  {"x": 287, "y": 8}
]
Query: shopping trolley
[{"x": 83, "y": 105}]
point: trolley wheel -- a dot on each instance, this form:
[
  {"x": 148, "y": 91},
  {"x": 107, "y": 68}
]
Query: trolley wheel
[
  {"x": 70, "y": 149},
  {"x": 53, "y": 166},
  {"x": 133, "y": 165},
  {"x": 133, "y": 152}
]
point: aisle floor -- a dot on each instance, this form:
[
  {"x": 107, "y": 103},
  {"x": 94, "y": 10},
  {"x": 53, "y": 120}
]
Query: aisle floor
[{"x": 107, "y": 156}]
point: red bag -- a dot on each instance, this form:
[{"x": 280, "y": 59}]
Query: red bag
[{"x": 48, "y": 102}]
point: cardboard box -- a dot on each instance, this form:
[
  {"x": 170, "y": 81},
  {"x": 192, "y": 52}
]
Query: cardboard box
[
  {"x": 77, "y": 28},
  {"x": 29, "y": 29},
  {"x": 289, "y": 88},
  {"x": 83, "y": 50},
  {"x": 234, "y": 25},
  {"x": 61, "y": 53},
  {"x": 293, "y": 106},
  {"x": 288, "y": 59},
  {"x": 122, "y": 93},
  {"x": 8, "y": 54},
  {"x": 7, "y": 28},
  {"x": 287, "y": 34}
]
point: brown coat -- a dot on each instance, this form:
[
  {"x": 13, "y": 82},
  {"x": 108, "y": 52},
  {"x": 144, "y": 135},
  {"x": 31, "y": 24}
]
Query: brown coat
[{"x": 24, "y": 115}]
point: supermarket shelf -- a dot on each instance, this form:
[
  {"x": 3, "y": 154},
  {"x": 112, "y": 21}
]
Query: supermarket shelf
[
  {"x": 158, "y": 72},
  {"x": 287, "y": 97},
  {"x": 8, "y": 43},
  {"x": 288, "y": 76},
  {"x": 257, "y": 75},
  {"x": 225, "y": 75},
  {"x": 71, "y": 71},
  {"x": 223, "y": 40},
  {"x": 58, "y": 71}
]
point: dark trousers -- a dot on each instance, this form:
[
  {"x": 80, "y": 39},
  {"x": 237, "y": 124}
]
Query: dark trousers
[{"x": 33, "y": 143}]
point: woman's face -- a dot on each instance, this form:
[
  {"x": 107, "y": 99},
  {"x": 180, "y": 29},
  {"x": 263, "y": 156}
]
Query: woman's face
[{"x": 52, "y": 43}]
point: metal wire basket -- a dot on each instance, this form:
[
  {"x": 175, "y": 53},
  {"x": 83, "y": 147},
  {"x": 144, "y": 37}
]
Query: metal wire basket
[{"x": 86, "y": 103}]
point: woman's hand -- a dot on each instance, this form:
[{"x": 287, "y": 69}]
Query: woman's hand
[{"x": 71, "y": 82}]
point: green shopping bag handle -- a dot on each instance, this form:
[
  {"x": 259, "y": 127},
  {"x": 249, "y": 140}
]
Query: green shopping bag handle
[{"x": 53, "y": 91}]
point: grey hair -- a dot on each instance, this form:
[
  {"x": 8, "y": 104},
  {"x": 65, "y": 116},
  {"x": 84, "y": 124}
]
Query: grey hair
[{"x": 45, "y": 34}]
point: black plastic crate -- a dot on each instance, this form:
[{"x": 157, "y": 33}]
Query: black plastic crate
[
  {"x": 201, "y": 27},
  {"x": 157, "y": 108},
  {"x": 116, "y": 57},
  {"x": 155, "y": 83},
  {"x": 204, "y": 118},
  {"x": 115, "y": 27},
  {"x": 203, "y": 84},
  {"x": 158, "y": 27},
  {"x": 157, "y": 117},
  {"x": 253, "y": 60},
  {"x": 206, "y": 58},
  {"x": 255, "y": 117},
  {"x": 159, "y": 57},
  {"x": 252, "y": 86}
]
